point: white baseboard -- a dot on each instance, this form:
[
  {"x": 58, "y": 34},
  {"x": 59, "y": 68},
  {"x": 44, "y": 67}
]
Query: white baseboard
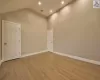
[
  {"x": 79, "y": 58},
  {"x": 30, "y": 54},
  {"x": 62, "y": 54},
  {"x": 1, "y": 62}
]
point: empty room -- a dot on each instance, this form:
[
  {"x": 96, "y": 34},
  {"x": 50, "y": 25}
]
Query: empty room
[{"x": 49, "y": 39}]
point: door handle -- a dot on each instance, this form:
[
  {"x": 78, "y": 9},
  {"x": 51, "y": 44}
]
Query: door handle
[{"x": 5, "y": 43}]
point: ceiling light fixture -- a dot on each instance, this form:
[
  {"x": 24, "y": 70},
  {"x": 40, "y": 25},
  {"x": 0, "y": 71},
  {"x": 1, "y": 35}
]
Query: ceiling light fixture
[
  {"x": 39, "y": 3},
  {"x": 62, "y": 2},
  {"x": 51, "y": 11}
]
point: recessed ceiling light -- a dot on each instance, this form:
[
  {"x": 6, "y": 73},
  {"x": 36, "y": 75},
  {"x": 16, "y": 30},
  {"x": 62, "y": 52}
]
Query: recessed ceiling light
[
  {"x": 51, "y": 11},
  {"x": 62, "y": 2},
  {"x": 39, "y": 3}
]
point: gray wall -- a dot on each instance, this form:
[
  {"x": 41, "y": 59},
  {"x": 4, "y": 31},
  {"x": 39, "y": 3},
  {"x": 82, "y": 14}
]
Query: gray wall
[
  {"x": 77, "y": 30},
  {"x": 34, "y": 30}
]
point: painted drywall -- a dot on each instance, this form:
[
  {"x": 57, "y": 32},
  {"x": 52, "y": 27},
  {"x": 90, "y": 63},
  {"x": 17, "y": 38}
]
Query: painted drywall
[
  {"x": 0, "y": 37},
  {"x": 77, "y": 30},
  {"x": 13, "y": 5},
  {"x": 33, "y": 30}
]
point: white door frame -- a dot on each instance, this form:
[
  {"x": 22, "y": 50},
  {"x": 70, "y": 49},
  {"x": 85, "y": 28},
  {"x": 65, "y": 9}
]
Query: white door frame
[{"x": 2, "y": 56}]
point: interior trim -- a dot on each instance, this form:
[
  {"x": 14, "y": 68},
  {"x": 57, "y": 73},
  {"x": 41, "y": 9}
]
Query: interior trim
[
  {"x": 61, "y": 54},
  {"x": 26, "y": 55},
  {"x": 1, "y": 62},
  {"x": 31, "y": 54},
  {"x": 78, "y": 58}
]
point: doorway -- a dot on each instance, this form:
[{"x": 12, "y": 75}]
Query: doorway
[{"x": 11, "y": 40}]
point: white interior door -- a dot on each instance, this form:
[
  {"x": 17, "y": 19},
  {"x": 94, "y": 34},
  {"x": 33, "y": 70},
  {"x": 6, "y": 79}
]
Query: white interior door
[
  {"x": 50, "y": 40},
  {"x": 11, "y": 40}
]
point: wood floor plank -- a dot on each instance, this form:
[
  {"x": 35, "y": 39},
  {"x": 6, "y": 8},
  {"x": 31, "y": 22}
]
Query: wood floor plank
[{"x": 48, "y": 66}]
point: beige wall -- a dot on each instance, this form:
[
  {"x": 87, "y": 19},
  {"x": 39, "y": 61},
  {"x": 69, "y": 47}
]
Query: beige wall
[
  {"x": 77, "y": 30},
  {"x": 0, "y": 37},
  {"x": 34, "y": 36}
]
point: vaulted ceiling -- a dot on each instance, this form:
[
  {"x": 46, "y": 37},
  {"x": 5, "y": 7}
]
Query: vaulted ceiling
[{"x": 46, "y": 7}]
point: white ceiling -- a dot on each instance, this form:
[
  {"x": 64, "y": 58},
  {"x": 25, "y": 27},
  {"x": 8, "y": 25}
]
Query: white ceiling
[{"x": 47, "y": 5}]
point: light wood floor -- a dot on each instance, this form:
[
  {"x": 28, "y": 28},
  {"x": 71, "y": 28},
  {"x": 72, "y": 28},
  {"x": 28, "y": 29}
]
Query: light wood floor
[{"x": 48, "y": 66}]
